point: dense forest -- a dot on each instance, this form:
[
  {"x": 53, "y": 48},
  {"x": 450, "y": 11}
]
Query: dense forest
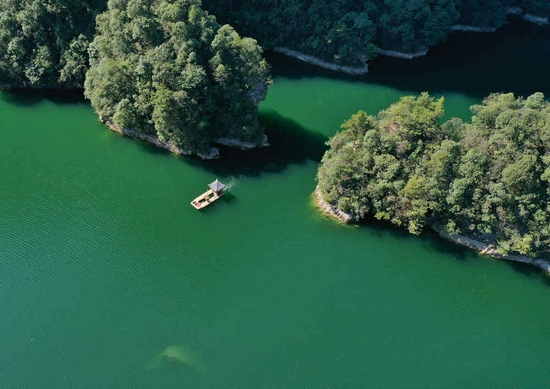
[
  {"x": 488, "y": 179},
  {"x": 45, "y": 43},
  {"x": 345, "y": 31},
  {"x": 168, "y": 68},
  {"x": 163, "y": 67}
]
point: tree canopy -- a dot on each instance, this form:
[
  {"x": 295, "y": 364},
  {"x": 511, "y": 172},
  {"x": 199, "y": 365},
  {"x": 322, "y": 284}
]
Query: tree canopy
[
  {"x": 489, "y": 179},
  {"x": 45, "y": 43},
  {"x": 344, "y": 31},
  {"x": 166, "y": 67}
]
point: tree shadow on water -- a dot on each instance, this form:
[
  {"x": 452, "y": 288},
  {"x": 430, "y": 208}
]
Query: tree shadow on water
[
  {"x": 431, "y": 241},
  {"x": 28, "y": 97},
  {"x": 290, "y": 143},
  {"x": 515, "y": 58}
]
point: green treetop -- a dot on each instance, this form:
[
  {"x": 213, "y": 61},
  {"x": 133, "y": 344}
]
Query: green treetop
[
  {"x": 168, "y": 68},
  {"x": 488, "y": 179}
]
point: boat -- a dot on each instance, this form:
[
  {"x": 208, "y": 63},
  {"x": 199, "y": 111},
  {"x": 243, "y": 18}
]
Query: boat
[{"x": 211, "y": 195}]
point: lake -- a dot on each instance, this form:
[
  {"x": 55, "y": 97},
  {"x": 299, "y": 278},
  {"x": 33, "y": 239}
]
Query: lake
[{"x": 109, "y": 278}]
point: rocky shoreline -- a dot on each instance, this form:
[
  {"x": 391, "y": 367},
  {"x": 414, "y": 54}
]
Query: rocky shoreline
[
  {"x": 481, "y": 247},
  {"x": 213, "y": 153},
  {"x": 361, "y": 70},
  {"x": 400, "y": 54},
  {"x": 490, "y": 250},
  {"x": 354, "y": 70},
  {"x": 332, "y": 210},
  {"x": 468, "y": 28}
]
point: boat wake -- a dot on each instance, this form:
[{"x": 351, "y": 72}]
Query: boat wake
[{"x": 232, "y": 181}]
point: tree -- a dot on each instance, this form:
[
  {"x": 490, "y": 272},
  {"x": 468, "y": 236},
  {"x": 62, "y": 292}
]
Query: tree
[
  {"x": 488, "y": 179},
  {"x": 168, "y": 68}
]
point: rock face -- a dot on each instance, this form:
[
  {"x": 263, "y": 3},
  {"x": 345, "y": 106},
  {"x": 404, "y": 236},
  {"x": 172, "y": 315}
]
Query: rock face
[
  {"x": 490, "y": 250},
  {"x": 467, "y": 28},
  {"x": 241, "y": 145},
  {"x": 258, "y": 93},
  {"x": 333, "y": 210},
  {"x": 213, "y": 153},
  {"x": 540, "y": 20},
  {"x": 399, "y": 54},
  {"x": 355, "y": 70},
  {"x": 537, "y": 19}
]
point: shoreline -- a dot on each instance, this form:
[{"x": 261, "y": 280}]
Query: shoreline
[
  {"x": 213, "y": 153},
  {"x": 354, "y": 70},
  {"x": 478, "y": 246},
  {"x": 362, "y": 70},
  {"x": 400, "y": 54},
  {"x": 332, "y": 210}
]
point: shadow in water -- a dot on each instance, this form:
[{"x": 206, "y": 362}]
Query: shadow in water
[
  {"x": 515, "y": 58},
  {"x": 428, "y": 238},
  {"x": 290, "y": 144},
  {"x": 29, "y": 97},
  {"x": 229, "y": 198},
  {"x": 431, "y": 241}
]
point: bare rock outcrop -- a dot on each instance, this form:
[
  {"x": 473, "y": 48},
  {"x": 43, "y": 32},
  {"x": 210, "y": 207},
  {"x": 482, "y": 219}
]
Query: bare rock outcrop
[
  {"x": 400, "y": 54},
  {"x": 242, "y": 145},
  {"x": 213, "y": 153},
  {"x": 468, "y": 28},
  {"x": 355, "y": 70},
  {"x": 485, "y": 248},
  {"x": 333, "y": 210}
]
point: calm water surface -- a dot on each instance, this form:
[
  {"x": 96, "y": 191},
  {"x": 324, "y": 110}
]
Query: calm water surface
[{"x": 110, "y": 279}]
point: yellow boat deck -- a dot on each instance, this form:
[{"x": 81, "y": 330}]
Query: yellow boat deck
[{"x": 206, "y": 199}]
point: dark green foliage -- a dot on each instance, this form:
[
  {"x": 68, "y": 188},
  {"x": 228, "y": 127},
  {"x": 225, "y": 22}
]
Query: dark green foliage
[
  {"x": 167, "y": 67},
  {"x": 484, "y": 13},
  {"x": 45, "y": 43},
  {"x": 414, "y": 25},
  {"x": 536, "y": 7},
  {"x": 488, "y": 179},
  {"x": 340, "y": 31},
  {"x": 345, "y": 31}
]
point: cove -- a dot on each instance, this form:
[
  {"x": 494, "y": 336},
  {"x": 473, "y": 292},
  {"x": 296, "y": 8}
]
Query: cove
[{"x": 109, "y": 278}]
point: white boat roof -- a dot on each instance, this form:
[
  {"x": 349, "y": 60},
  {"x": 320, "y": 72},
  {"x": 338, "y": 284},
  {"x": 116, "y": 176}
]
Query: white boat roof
[{"x": 216, "y": 185}]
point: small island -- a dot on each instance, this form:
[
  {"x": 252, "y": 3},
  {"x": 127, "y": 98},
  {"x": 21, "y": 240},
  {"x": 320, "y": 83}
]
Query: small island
[{"x": 484, "y": 184}]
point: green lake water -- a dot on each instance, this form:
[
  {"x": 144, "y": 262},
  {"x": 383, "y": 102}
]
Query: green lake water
[{"x": 110, "y": 279}]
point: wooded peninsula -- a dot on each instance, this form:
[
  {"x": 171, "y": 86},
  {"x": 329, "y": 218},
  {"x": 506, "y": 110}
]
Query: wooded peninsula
[{"x": 488, "y": 180}]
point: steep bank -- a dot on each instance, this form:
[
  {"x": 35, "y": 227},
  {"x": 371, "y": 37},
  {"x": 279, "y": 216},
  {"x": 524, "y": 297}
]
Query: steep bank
[
  {"x": 399, "y": 54},
  {"x": 468, "y": 28},
  {"x": 481, "y": 247},
  {"x": 536, "y": 19},
  {"x": 332, "y": 210},
  {"x": 354, "y": 70},
  {"x": 485, "y": 248},
  {"x": 214, "y": 152}
]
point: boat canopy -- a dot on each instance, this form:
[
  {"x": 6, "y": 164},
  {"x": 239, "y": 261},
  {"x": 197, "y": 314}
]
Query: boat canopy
[{"x": 216, "y": 186}]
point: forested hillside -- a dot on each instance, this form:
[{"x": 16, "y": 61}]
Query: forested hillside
[
  {"x": 488, "y": 179},
  {"x": 166, "y": 67},
  {"x": 343, "y": 31},
  {"x": 45, "y": 43}
]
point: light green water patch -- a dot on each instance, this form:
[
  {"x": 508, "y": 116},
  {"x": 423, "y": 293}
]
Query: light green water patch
[
  {"x": 177, "y": 354},
  {"x": 322, "y": 104},
  {"x": 106, "y": 268},
  {"x": 104, "y": 264}
]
